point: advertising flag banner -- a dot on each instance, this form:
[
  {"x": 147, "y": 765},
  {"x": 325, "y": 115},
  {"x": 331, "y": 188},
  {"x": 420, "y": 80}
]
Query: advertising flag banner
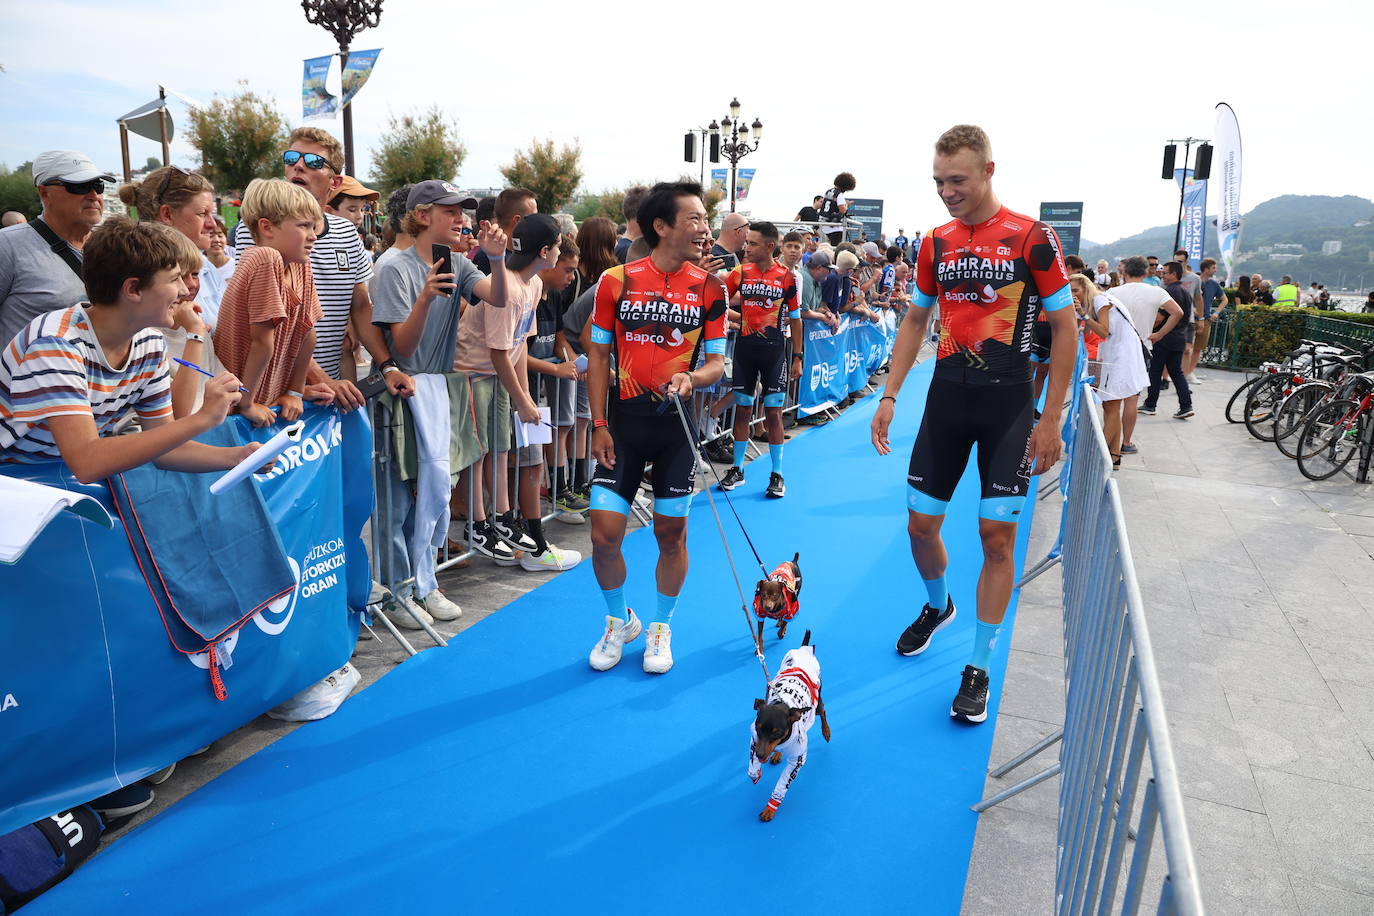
[
  {"x": 1194, "y": 221},
  {"x": 316, "y": 100},
  {"x": 356, "y": 72},
  {"x": 1226, "y": 169},
  {"x": 1066, "y": 219},
  {"x": 719, "y": 179},
  {"x": 743, "y": 178}
]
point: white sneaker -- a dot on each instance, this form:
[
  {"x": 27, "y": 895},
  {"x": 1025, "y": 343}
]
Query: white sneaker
[
  {"x": 396, "y": 612},
  {"x": 569, "y": 517},
  {"x": 378, "y": 593},
  {"x": 658, "y": 649},
  {"x": 1193, "y": 379},
  {"x": 618, "y": 632},
  {"x": 439, "y": 607},
  {"x": 555, "y": 559}
]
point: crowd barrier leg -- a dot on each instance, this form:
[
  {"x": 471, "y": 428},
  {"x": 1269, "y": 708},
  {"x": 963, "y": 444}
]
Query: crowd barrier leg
[{"x": 382, "y": 471}]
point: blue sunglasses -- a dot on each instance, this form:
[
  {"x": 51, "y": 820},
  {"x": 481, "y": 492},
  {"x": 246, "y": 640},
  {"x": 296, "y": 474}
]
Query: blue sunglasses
[{"x": 312, "y": 160}]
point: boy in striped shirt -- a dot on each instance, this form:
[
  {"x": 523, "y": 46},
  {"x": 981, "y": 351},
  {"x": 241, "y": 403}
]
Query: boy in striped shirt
[{"x": 70, "y": 376}]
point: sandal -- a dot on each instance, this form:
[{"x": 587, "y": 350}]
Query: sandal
[{"x": 1116, "y": 462}]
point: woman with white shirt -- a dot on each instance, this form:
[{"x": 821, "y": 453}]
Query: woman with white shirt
[{"x": 1122, "y": 373}]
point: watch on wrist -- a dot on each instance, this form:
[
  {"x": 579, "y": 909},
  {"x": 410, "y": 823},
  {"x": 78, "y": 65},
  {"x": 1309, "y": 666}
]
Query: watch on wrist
[{"x": 192, "y": 335}]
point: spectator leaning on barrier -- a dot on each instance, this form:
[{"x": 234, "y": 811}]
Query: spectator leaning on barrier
[
  {"x": 132, "y": 275},
  {"x": 340, "y": 267},
  {"x": 270, "y": 309},
  {"x": 553, "y": 369},
  {"x": 40, "y": 262},
  {"x": 629, "y": 208},
  {"x": 418, "y": 304}
]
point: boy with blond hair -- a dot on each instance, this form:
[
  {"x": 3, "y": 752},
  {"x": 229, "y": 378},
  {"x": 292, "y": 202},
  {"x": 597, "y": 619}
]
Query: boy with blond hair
[
  {"x": 111, "y": 359},
  {"x": 266, "y": 329}
]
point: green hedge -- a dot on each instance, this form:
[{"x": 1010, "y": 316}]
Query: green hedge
[{"x": 1268, "y": 332}]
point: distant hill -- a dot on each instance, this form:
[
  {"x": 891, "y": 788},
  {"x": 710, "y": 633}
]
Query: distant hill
[{"x": 1293, "y": 219}]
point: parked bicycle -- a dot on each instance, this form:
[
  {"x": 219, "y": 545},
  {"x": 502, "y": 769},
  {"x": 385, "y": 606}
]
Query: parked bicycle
[
  {"x": 1311, "y": 361},
  {"x": 1333, "y": 435}
]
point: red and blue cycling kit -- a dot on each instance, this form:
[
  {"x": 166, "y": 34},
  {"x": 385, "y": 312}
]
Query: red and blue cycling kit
[
  {"x": 990, "y": 280},
  {"x": 656, "y": 325},
  {"x": 767, "y": 296}
]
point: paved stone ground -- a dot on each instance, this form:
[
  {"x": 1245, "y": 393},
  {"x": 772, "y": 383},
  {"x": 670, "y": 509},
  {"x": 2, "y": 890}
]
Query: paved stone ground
[{"x": 1257, "y": 587}]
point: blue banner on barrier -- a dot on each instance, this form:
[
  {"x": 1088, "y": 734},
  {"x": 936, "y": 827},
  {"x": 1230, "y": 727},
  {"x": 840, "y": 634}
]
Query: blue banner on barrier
[
  {"x": 838, "y": 363},
  {"x": 92, "y": 693}
]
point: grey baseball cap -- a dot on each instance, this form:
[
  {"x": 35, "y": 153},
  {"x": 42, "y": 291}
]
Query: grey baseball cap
[
  {"x": 435, "y": 191},
  {"x": 871, "y": 250},
  {"x": 67, "y": 165},
  {"x": 819, "y": 259}
]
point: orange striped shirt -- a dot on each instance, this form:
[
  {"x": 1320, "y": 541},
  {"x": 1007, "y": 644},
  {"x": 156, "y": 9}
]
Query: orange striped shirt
[{"x": 266, "y": 290}]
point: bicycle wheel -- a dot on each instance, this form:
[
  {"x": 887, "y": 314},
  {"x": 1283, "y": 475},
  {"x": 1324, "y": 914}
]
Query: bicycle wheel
[
  {"x": 1330, "y": 438},
  {"x": 1294, "y": 412},
  {"x": 1261, "y": 405},
  {"x": 1238, "y": 399}
]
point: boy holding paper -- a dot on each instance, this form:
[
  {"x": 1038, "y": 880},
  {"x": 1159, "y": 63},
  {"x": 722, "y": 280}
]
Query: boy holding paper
[
  {"x": 492, "y": 348},
  {"x": 110, "y": 359}
]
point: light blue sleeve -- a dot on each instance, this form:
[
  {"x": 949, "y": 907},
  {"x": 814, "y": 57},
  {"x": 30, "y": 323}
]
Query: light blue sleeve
[
  {"x": 923, "y": 300},
  {"x": 716, "y": 346},
  {"x": 600, "y": 335},
  {"x": 1057, "y": 300}
]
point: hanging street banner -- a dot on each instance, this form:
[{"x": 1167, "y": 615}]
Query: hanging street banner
[
  {"x": 719, "y": 179},
  {"x": 356, "y": 72},
  {"x": 743, "y": 178},
  {"x": 1192, "y": 225},
  {"x": 317, "y": 101},
  {"x": 1226, "y": 166},
  {"x": 868, "y": 211},
  {"x": 1066, "y": 219}
]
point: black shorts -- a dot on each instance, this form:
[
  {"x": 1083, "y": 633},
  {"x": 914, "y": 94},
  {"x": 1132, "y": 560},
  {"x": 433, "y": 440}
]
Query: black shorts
[
  {"x": 1042, "y": 335},
  {"x": 640, "y": 439},
  {"x": 754, "y": 363},
  {"x": 999, "y": 420}
]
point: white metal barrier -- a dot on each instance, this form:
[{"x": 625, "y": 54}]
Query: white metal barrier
[{"x": 1114, "y": 715}]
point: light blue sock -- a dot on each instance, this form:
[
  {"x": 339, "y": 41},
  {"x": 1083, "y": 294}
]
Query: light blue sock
[
  {"x": 739, "y": 452},
  {"x": 666, "y": 605},
  {"x": 983, "y": 642},
  {"x": 938, "y": 592},
  {"x": 615, "y": 602},
  {"x": 775, "y": 455}
]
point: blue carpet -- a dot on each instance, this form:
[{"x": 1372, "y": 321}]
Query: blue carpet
[{"x": 502, "y": 775}]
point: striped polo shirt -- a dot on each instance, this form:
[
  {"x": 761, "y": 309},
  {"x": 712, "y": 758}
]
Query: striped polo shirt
[
  {"x": 55, "y": 367},
  {"x": 338, "y": 262}
]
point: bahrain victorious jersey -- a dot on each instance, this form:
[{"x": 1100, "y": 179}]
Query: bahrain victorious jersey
[
  {"x": 990, "y": 280},
  {"x": 656, "y": 323},
  {"x": 765, "y": 295}
]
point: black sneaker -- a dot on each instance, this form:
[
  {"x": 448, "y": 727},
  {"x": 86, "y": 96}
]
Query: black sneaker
[
  {"x": 1147, "y": 411},
  {"x": 486, "y": 542},
  {"x": 971, "y": 702},
  {"x": 733, "y": 478},
  {"x": 775, "y": 486},
  {"x": 916, "y": 637},
  {"x": 1183, "y": 413},
  {"x": 512, "y": 530},
  {"x": 123, "y": 802},
  {"x": 721, "y": 451}
]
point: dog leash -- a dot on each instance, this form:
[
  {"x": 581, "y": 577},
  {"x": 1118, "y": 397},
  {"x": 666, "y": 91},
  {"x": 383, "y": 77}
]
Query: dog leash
[{"x": 725, "y": 542}]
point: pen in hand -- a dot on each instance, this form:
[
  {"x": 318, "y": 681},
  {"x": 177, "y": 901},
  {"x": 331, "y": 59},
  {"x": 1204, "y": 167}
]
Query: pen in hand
[{"x": 190, "y": 365}]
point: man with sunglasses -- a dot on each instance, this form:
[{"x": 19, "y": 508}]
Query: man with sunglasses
[
  {"x": 40, "y": 262},
  {"x": 341, "y": 268}
]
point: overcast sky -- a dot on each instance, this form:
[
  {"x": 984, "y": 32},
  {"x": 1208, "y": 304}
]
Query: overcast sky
[{"x": 1077, "y": 97}]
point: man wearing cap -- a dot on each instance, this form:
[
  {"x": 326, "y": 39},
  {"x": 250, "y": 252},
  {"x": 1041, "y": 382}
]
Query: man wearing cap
[
  {"x": 352, "y": 200},
  {"x": 40, "y": 261},
  {"x": 340, "y": 266}
]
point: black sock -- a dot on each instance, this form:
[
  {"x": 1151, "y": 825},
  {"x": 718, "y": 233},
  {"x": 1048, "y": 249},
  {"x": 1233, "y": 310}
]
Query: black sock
[
  {"x": 535, "y": 526},
  {"x": 560, "y": 480}
]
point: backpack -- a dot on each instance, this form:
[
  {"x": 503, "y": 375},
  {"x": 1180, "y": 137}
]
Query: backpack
[
  {"x": 35, "y": 857},
  {"x": 830, "y": 207}
]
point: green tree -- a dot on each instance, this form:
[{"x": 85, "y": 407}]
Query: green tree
[
  {"x": 552, "y": 174},
  {"x": 239, "y": 138},
  {"x": 17, "y": 191},
  {"x": 152, "y": 164},
  {"x": 417, "y": 148}
]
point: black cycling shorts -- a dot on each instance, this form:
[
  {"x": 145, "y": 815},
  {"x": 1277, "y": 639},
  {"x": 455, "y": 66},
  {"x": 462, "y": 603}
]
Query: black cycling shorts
[
  {"x": 641, "y": 439},
  {"x": 999, "y": 420},
  {"x": 754, "y": 363}
]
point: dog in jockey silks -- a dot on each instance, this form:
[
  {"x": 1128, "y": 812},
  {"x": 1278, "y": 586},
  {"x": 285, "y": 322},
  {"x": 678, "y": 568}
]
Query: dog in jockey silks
[{"x": 783, "y": 719}]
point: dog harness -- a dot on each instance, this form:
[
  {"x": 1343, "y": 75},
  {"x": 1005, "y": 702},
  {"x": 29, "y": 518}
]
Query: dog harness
[{"x": 790, "y": 605}]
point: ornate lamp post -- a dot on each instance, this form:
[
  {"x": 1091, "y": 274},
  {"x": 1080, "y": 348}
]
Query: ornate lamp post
[
  {"x": 344, "y": 19},
  {"x": 734, "y": 143}
]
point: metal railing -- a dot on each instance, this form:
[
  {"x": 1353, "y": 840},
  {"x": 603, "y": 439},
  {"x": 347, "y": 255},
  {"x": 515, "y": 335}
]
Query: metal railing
[{"x": 1115, "y": 733}]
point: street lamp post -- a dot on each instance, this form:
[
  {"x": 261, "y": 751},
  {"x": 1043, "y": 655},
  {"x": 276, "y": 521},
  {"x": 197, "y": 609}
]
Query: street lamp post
[
  {"x": 344, "y": 19},
  {"x": 735, "y": 144}
]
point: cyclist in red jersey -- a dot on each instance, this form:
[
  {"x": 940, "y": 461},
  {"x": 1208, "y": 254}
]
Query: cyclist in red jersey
[
  {"x": 990, "y": 270},
  {"x": 657, "y": 315},
  {"x": 768, "y": 294}
]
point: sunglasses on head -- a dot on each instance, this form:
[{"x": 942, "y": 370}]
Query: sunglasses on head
[
  {"x": 79, "y": 188},
  {"x": 167, "y": 180},
  {"x": 312, "y": 160}
]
